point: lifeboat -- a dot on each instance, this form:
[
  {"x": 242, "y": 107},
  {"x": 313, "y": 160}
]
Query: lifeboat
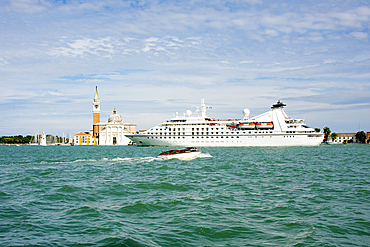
[
  {"x": 247, "y": 125},
  {"x": 268, "y": 125},
  {"x": 231, "y": 125},
  {"x": 181, "y": 154}
]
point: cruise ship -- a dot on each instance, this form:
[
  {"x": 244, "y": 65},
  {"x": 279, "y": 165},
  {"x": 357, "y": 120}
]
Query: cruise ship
[{"x": 272, "y": 128}]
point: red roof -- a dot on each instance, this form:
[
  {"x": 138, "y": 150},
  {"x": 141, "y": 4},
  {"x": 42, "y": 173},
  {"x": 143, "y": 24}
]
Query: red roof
[{"x": 83, "y": 134}]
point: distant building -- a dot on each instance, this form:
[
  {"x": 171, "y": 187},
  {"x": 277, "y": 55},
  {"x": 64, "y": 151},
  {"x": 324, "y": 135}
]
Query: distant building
[
  {"x": 345, "y": 138},
  {"x": 110, "y": 133},
  {"x": 349, "y": 138},
  {"x": 84, "y": 138},
  {"x": 113, "y": 131}
]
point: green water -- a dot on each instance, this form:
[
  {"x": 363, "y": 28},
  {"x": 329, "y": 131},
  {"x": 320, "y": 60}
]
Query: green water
[{"x": 124, "y": 196}]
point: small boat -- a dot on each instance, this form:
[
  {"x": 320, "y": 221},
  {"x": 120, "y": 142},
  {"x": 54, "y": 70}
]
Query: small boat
[
  {"x": 329, "y": 141},
  {"x": 181, "y": 154},
  {"x": 247, "y": 125},
  {"x": 38, "y": 140},
  {"x": 233, "y": 125},
  {"x": 268, "y": 125}
]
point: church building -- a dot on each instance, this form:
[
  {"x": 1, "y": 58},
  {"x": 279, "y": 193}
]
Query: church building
[{"x": 111, "y": 132}]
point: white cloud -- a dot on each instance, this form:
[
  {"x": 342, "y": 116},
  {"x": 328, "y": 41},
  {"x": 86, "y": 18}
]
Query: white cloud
[
  {"x": 359, "y": 35},
  {"x": 55, "y": 93},
  {"x": 330, "y": 61},
  {"x": 150, "y": 40},
  {"x": 29, "y": 6},
  {"x": 271, "y": 32},
  {"x": 3, "y": 61},
  {"x": 315, "y": 36},
  {"x": 79, "y": 47},
  {"x": 108, "y": 47}
]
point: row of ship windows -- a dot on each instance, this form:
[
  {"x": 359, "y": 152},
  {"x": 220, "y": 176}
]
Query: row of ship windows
[
  {"x": 211, "y": 129},
  {"x": 210, "y": 133},
  {"x": 174, "y": 137},
  {"x": 194, "y": 124},
  {"x": 174, "y": 127},
  {"x": 207, "y": 133},
  {"x": 192, "y": 129}
]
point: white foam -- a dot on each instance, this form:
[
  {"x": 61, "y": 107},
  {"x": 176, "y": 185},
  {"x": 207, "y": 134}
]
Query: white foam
[{"x": 205, "y": 155}]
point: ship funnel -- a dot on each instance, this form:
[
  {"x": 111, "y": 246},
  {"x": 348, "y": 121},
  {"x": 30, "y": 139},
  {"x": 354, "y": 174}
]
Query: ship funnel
[{"x": 278, "y": 104}]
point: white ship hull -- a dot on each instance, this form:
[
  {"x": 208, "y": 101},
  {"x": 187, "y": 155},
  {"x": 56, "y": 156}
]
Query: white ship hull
[
  {"x": 206, "y": 132},
  {"x": 230, "y": 141}
]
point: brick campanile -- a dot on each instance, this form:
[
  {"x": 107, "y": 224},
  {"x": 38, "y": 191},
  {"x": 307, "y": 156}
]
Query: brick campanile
[{"x": 96, "y": 108}]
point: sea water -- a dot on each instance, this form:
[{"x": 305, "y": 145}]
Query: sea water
[{"x": 125, "y": 196}]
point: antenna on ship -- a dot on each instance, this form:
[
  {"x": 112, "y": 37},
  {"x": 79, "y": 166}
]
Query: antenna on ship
[{"x": 203, "y": 108}]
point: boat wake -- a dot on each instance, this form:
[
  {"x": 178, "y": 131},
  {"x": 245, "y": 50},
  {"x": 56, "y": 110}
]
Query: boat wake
[
  {"x": 205, "y": 155},
  {"x": 116, "y": 160},
  {"x": 134, "y": 159},
  {"x": 151, "y": 159}
]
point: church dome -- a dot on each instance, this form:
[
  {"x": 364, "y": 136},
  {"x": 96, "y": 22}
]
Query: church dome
[{"x": 114, "y": 118}]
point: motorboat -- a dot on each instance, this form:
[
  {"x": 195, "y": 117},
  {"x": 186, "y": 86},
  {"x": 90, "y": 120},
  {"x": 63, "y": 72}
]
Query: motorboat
[{"x": 181, "y": 154}]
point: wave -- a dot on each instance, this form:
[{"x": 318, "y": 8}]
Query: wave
[
  {"x": 150, "y": 159},
  {"x": 90, "y": 160},
  {"x": 205, "y": 155}
]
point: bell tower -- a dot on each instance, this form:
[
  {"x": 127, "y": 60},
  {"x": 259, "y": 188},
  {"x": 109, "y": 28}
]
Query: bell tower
[
  {"x": 96, "y": 117},
  {"x": 96, "y": 108}
]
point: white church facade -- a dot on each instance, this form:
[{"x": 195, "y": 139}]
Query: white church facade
[
  {"x": 109, "y": 133},
  {"x": 114, "y": 130}
]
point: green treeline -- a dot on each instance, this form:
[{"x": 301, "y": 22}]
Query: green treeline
[{"x": 19, "y": 139}]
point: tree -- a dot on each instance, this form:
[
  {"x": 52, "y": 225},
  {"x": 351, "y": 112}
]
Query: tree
[
  {"x": 361, "y": 137},
  {"x": 317, "y": 129},
  {"x": 15, "y": 139},
  {"x": 334, "y": 136},
  {"x": 327, "y": 132}
]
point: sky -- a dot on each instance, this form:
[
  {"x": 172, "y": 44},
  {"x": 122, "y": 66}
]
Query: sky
[{"x": 151, "y": 59}]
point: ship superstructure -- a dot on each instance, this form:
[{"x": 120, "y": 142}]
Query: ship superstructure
[{"x": 272, "y": 128}]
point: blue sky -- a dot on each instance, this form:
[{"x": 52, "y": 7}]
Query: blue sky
[{"x": 151, "y": 59}]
